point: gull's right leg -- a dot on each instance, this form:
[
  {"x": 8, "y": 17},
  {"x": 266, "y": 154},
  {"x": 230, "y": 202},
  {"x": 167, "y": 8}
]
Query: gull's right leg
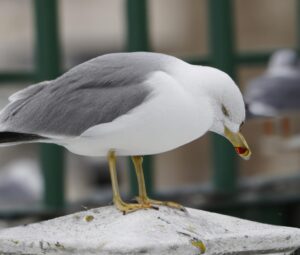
[
  {"x": 118, "y": 202},
  {"x": 143, "y": 197}
]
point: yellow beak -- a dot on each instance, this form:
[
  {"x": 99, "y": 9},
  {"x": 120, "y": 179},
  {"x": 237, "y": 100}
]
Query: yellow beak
[{"x": 239, "y": 143}]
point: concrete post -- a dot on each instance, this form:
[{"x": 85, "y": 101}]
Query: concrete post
[{"x": 164, "y": 231}]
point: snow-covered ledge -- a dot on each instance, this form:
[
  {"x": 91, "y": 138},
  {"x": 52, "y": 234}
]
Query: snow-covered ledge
[{"x": 165, "y": 231}]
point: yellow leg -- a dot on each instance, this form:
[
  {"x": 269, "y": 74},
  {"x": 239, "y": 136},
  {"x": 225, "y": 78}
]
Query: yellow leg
[
  {"x": 118, "y": 202},
  {"x": 143, "y": 197}
]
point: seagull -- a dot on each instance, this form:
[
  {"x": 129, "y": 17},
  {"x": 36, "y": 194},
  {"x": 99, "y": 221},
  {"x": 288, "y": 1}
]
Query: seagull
[
  {"x": 277, "y": 90},
  {"x": 127, "y": 104}
]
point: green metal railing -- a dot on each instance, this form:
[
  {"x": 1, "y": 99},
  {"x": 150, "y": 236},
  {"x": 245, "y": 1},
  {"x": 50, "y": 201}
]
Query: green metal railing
[
  {"x": 138, "y": 40},
  {"x": 48, "y": 67},
  {"x": 222, "y": 55}
]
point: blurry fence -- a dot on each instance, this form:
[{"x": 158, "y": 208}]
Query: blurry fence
[{"x": 222, "y": 55}]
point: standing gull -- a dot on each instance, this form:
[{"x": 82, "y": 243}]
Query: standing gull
[{"x": 127, "y": 104}]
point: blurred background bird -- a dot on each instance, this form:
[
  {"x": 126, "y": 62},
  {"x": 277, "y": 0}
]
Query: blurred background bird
[{"x": 277, "y": 91}]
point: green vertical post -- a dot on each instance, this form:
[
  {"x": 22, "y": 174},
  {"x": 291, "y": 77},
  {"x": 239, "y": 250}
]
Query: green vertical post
[
  {"x": 138, "y": 40},
  {"x": 222, "y": 57},
  {"x": 137, "y": 26},
  {"x": 48, "y": 67}
]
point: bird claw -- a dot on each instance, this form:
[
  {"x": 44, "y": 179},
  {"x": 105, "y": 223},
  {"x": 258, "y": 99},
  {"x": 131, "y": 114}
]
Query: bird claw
[
  {"x": 153, "y": 202},
  {"x": 147, "y": 203},
  {"x": 130, "y": 207}
]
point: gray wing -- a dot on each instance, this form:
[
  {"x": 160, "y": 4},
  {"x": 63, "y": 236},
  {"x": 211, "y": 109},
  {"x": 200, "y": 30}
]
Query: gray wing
[
  {"x": 92, "y": 93},
  {"x": 280, "y": 93}
]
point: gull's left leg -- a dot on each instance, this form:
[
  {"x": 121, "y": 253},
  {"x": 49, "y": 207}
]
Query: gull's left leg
[
  {"x": 118, "y": 201},
  {"x": 143, "y": 197}
]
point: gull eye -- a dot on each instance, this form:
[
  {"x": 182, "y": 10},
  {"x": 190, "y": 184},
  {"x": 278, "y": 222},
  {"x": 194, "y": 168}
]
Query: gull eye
[{"x": 225, "y": 111}]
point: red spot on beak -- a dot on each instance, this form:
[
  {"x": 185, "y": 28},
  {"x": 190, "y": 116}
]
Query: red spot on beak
[{"x": 241, "y": 150}]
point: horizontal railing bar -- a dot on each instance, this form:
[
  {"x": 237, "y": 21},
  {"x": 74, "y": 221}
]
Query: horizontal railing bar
[
  {"x": 243, "y": 58},
  {"x": 204, "y": 60},
  {"x": 253, "y": 58},
  {"x": 249, "y": 58},
  {"x": 17, "y": 77}
]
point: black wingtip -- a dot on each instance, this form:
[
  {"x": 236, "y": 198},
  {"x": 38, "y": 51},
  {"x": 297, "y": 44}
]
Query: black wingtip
[{"x": 13, "y": 137}]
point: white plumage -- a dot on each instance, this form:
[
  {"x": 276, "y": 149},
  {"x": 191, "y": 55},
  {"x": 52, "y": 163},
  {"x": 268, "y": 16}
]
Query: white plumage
[{"x": 127, "y": 104}]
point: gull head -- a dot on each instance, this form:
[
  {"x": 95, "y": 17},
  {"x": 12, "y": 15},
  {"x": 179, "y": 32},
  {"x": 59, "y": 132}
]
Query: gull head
[{"x": 228, "y": 109}]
